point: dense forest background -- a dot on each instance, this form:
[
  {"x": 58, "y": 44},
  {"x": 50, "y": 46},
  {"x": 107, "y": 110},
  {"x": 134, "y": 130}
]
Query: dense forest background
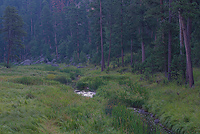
[{"x": 149, "y": 35}]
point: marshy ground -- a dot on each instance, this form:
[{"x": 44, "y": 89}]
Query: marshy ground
[{"x": 41, "y": 99}]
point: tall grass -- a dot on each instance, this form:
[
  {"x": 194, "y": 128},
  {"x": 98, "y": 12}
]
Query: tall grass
[{"x": 36, "y": 99}]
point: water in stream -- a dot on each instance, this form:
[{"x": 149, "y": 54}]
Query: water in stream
[{"x": 132, "y": 120}]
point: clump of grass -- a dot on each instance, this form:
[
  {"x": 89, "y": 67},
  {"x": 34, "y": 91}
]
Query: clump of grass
[
  {"x": 50, "y": 68},
  {"x": 51, "y": 76},
  {"x": 28, "y": 80},
  {"x": 125, "y": 94},
  {"x": 63, "y": 79},
  {"x": 92, "y": 83},
  {"x": 72, "y": 71}
]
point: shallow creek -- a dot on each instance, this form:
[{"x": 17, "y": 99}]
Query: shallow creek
[{"x": 148, "y": 118}]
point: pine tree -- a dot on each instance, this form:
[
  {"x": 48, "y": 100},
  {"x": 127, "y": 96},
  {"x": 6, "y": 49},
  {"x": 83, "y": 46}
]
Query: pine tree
[{"x": 13, "y": 30}]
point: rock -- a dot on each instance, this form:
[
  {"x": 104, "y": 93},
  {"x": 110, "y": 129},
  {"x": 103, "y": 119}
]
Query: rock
[
  {"x": 53, "y": 61},
  {"x": 86, "y": 94},
  {"x": 156, "y": 121},
  {"x": 80, "y": 66},
  {"x": 141, "y": 111},
  {"x": 26, "y": 62},
  {"x": 54, "y": 65},
  {"x": 41, "y": 60}
]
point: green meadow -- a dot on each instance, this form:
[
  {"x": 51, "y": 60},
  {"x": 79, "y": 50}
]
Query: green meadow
[{"x": 41, "y": 99}]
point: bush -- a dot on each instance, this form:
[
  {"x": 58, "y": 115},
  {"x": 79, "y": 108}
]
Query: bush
[
  {"x": 50, "y": 68},
  {"x": 92, "y": 83},
  {"x": 130, "y": 95},
  {"x": 63, "y": 79},
  {"x": 73, "y": 72},
  {"x": 29, "y": 80},
  {"x": 81, "y": 85}
]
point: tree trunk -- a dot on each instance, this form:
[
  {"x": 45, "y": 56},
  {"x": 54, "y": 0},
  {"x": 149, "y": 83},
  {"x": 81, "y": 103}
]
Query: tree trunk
[
  {"x": 9, "y": 52},
  {"x": 110, "y": 45},
  {"x": 77, "y": 42},
  {"x": 122, "y": 51},
  {"x": 131, "y": 52},
  {"x": 180, "y": 36},
  {"x": 143, "y": 51},
  {"x": 101, "y": 32},
  {"x": 56, "y": 45},
  {"x": 169, "y": 43},
  {"x": 163, "y": 38},
  {"x": 31, "y": 27},
  {"x": 188, "y": 52}
]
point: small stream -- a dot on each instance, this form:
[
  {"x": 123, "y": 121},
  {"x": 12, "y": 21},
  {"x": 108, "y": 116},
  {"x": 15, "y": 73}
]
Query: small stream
[{"x": 152, "y": 122}]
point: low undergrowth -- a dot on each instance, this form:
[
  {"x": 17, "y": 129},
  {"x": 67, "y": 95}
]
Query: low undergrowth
[{"x": 40, "y": 99}]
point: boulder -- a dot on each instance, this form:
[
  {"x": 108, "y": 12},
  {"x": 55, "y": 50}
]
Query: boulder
[{"x": 26, "y": 62}]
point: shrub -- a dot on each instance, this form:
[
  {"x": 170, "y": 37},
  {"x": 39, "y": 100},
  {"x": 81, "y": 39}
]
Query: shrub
[
  {"x": 50, "y": 68},
  {"x": 81, "y": 85},
  {"x": 63, "y": 79},
  {"x": 51, "y": 76},
  {"x": 29, "y": 80},
  {"x": 93, "y": 83},
  {"x": 130, "y": 95},
  {"x": 73, "y": 72}
]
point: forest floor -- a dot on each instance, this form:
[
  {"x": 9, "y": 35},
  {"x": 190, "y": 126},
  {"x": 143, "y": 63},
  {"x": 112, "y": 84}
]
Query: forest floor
[{"x": 41, "y": 99}]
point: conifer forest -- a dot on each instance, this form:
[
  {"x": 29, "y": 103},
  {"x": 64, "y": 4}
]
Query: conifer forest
[
  {"x": 150, "y": 38},
  {"x": 158, "y": 35}
]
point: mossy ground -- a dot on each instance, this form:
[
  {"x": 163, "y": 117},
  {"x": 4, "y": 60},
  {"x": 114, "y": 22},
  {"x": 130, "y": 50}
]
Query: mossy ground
[{"x": 40, "y": 99}]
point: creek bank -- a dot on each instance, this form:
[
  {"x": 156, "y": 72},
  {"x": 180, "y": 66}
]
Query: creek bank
[{"x": 151, "y": 120}]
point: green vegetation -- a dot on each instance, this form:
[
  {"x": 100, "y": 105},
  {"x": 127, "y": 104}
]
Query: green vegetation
[{"x": 40, "y": 99}]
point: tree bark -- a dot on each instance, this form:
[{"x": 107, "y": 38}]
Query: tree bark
[
  {"x": 101, "y": 33},
  {"x": 110, "y": 44},
  {"x": 169, "y": 43},
  {"x": 131, "y": 52},
  {"x": 188, "y": 52},
  {"x": 180, "y": 36},
  {"x": 122, "y": 51},
  {"x": 143, "y": 51}
]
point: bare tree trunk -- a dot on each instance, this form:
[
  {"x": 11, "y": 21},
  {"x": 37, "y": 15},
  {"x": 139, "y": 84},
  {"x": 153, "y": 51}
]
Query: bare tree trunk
[
  {"x": 169, "y": 43},
  {"x": 56, "y": 45},
  {"x": 101, "y": 32},
  {"x": 143, "y": 51},
  {"x": 122, "y": 51},
  {"x": 31, "y": 27},
  {"x": 4, "y": 54},
  {"x": 9, "y": 52},
  {"x": 77, "y": 42},
  {"x": 131, "y": 52},
  {"x": 188, "y": 52},
  {"x": 110, "y": 44},
  {"x": 180, "y": 36},
  {"x": 163, "y": 38}
]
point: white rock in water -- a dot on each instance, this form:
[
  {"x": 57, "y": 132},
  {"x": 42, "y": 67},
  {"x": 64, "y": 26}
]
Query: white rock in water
[{"x": 86, "y": 94}]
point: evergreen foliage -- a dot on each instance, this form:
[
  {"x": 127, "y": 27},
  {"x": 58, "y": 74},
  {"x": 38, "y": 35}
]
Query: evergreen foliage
[{"x": 69, "y": 31}]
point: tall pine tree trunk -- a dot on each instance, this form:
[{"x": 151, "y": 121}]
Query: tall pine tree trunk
[
  {"x": 143, "y": 51},
  {"x": 169, "y": 43},
  {"x": 101, "y": 33},
  {"x": 110, "y": 44},
  {"x": 122, "y": 51},
  {"x": 163, "y": 38},
  {"x": 186, "y": 35},
  {"x": 77, "y": 41},
  {"x": 180, "y": 36},
  {"x": 131, "y": 52},
  {"x": 9, "y": 52}
]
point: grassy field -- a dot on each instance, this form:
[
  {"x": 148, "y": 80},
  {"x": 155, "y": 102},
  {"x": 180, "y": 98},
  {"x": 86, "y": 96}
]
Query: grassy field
[{"x": 41, "y": 99}]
